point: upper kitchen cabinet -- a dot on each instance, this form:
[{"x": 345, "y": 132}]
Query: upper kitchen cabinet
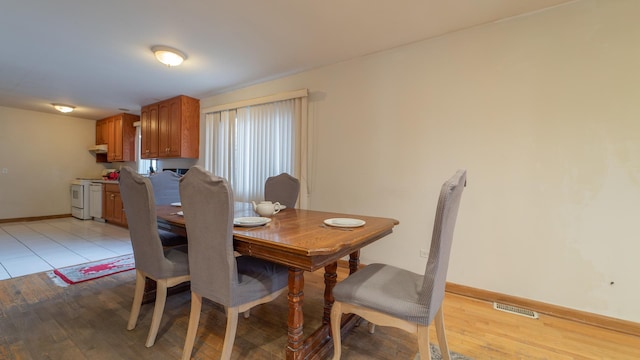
[
  {"x": 101, "y": 132},
  {"x": 171, "y": 128},
  {"x": 149, "y": 131},
  {"x": 119, "y": 134}
]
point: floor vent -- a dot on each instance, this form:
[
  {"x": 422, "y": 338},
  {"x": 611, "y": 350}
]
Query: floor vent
[{"x": 515, "y": 310}]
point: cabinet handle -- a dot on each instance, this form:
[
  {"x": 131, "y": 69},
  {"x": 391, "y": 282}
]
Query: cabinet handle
[{"x": 113, "y": 196}]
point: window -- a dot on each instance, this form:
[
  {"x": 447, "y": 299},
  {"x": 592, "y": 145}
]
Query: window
[
  {"x": 143, "y": 164},
  {"x": 249, "y": 142}
]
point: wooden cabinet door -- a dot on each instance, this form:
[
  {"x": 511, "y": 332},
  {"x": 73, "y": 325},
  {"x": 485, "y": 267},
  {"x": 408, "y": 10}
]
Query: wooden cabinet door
[
  {"x": 165, "y": 127},
  {"x": 149, "y": 132},
  {"x": 190, "y": 127},
  {"x": 109, "y": 206},
  {"x": 114, "y": 138},
  {"x": 111, "y": 133},
  {"x": 118, "y": 208},
  {"x": 102, "y": 137},
  {"x": 99, "y": 127},
  {"x": 174, "y": 135},
  {"x": 127, "y": 135},
  {"x": 101, "y": 132},
  {"x": 112, "y": 206},
  {"x": 117, "y": 138},
  {"x": 170, "y": 119}
]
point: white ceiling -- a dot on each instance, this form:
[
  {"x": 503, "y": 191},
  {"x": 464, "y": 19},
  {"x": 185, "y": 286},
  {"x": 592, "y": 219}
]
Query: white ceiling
[{"x": 96, "y": 54}]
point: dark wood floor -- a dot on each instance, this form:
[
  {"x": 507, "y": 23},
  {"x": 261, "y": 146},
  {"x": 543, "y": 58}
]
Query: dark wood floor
[{"x": 40, "y": 320}]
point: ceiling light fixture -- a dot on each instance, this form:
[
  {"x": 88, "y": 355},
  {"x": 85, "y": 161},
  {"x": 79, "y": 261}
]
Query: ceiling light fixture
[
  {"x": 168, "y": 56},
  {"x": 63, "y": 108}
]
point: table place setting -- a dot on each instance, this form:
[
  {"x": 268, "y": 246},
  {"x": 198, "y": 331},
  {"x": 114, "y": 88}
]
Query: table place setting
[
  {"x": 291, "y": 238},
  {"x": 250, "y": 221},
  {"x": 344, "y": 222}
]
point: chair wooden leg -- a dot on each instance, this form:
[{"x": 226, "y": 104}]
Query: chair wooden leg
[
  {"x": 336, "y": 318},
  {"x": 158, "y": 309},
  {"x": 230, "y": 334},
  {"x": 423, "y": 342},
  {"x": 137, "y": 300},
  {"x": 192, "y": 329},
  {"x": 442, "y": 336}
]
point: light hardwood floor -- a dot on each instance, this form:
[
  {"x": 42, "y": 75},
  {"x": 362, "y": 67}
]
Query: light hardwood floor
[{"x": 39, "y": 320}]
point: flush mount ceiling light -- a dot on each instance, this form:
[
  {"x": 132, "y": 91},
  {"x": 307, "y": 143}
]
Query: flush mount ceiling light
[
  {"x": 63, "y": 108},
  {"x": 168, "y": 56}
]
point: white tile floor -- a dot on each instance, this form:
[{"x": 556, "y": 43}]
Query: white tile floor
[{"x": 31, "y": 247}]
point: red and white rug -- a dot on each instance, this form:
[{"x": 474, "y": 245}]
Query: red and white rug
[{"x": 94, "y": 270}]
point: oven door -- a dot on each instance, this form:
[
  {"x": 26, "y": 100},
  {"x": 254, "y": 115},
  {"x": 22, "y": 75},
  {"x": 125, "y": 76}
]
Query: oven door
[{"x": 77, "y": 196}]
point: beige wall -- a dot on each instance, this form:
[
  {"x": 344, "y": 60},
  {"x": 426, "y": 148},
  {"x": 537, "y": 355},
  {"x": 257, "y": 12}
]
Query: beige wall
[
  {"x": 542, "y": 111},
  {"x": 42, "y": 154}
]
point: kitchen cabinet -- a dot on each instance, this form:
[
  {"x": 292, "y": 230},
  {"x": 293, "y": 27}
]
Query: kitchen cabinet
[
  {"x": 171, "y": 128},
  {"x": 149, "y": 131},
  {"x": 121, "y": 137},
  {"x": 112, "y": 207},
  {"x": 119, "y": 134},
  {"x": 101, "y": 132},
  {"x": 101, "y": 139}
]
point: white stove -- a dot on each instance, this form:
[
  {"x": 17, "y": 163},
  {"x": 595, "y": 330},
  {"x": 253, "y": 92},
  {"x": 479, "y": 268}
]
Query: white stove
[
  {"x": 86, "y": 196},
  {"x": 80, "y": 198}
]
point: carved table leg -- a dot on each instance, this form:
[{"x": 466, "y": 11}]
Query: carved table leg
[
  {"x": 330, "y": 279},
  {"x": 354, "y": 261},
  {"x": 295, "y": 349}
]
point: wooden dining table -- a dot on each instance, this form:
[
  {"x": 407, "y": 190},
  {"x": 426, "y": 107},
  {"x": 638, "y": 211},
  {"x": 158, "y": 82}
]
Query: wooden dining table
[{"x": 300, "y": 240}]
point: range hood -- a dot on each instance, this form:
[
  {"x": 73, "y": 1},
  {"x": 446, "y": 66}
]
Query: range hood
[{"x": 99, "y": 149}]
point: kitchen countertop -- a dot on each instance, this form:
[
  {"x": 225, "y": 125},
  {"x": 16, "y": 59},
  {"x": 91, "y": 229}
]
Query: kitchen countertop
[{"x": 105, "y": 181}]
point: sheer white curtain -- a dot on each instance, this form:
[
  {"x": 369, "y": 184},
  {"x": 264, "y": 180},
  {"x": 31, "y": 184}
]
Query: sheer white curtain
[
  {"x": 248, "y": 144},
  {"x": 219, "y": 142}
]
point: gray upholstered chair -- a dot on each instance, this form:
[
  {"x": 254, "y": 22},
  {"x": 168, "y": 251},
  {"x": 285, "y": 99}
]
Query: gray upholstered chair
[
  {"x": 283, "y": 188},
  {"x": 168, "y": 267},
  {"x": 166, "y": 190},
  {"x": 237, "y": 283},
  {"x": 390, "y": 296},
  {"x": 166, "y": 187}
]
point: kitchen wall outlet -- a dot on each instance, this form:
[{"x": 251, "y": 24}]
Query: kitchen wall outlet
[
  {"x": 424, "y": 253},
  {"x": 5, "y": 170}
]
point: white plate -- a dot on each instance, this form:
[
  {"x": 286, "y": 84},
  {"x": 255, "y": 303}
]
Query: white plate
[
  {"x": 180, "y": 213},
  {"x": 176, "y": 204},
  {"x": 251, "y": 221},
  {"x": 344, "y": 222}
]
